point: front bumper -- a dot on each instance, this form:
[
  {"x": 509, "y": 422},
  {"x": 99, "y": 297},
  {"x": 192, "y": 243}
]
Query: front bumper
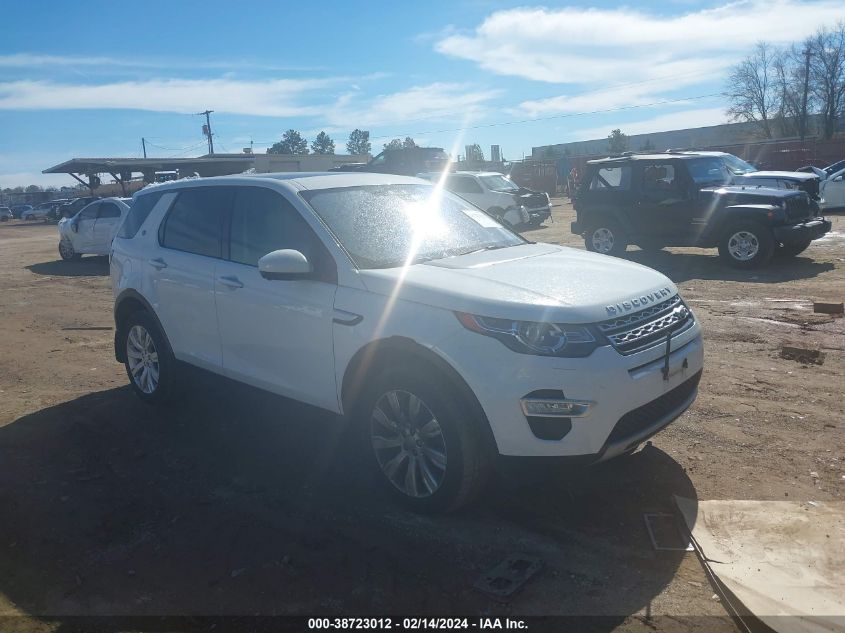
[
  {"x": 631, "y": 399},
  {"x": 539, "y": 213},
  {"x": 811, "y": 229}
]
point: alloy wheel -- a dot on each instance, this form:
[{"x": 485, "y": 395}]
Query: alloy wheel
[
  {"x": 142, "y": 357},
  {"x": 743, "y": 246},
  {"x": 603, "y": 240},
  {"x": 65, "y": 249},
  {"x": 408, "y": 443}
]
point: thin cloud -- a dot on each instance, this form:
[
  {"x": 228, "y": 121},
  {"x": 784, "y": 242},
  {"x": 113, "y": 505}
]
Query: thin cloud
[
  {"x": 280, "y": 97},
  {"x": 432, "y": 101},
  {"x": 34, "y": 61}
]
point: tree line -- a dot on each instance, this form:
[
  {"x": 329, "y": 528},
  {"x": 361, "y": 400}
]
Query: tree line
[
  {"x": 293, "y": 142},
  {"x": 779, "y": 88}
]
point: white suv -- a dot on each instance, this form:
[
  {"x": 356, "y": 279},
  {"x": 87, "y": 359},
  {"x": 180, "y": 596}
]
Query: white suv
[{"x": 446, "y": 337}]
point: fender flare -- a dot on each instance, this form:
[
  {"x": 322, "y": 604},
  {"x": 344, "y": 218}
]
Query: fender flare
[
  {"x": 371, "y": 356},
  {"x": 128, "y": 302}
]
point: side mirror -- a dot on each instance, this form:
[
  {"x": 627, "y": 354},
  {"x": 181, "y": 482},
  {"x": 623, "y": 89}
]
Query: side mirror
[
  {"x": 284, "y": 264},
  {"x": 74, "y": 226}
]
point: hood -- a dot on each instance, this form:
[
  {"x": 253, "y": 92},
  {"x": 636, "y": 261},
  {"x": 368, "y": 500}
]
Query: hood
[
  {"x": 532, "y": 282},
  {"x": 751, "y": 193}
]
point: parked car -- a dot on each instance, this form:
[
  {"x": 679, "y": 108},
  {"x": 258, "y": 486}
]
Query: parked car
[
  {"x": 5, "y": 214},
  {"x": 37, "y": 213},
  {"x": 405, "y": 161},
  {"x": 92, "y": 229},
  {"x": 498, "y": 195},
  {"x": 447, "y": 338},
  {"x": 689, "y": 199},
  {"x": 70, "y": 209},
  {"x": 19, "y": 209},
  {"x": 55, "y": 214},
  {"x": 833, "y": 191}
]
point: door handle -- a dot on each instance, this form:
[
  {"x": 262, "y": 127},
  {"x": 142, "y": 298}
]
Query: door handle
[
  {"x": 231, "y": 282},
  {"x": 158, "y": 263}
]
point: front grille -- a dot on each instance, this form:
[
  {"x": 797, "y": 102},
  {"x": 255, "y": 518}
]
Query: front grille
[
  {"x": 635, "y": 422},
  {"x": 635, "y": 332},
  {"x": 799, "y": 208}
]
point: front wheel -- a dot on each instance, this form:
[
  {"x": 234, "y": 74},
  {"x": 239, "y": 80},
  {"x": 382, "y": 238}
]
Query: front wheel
[
  {"x": 427, "y": 447},
  {"x": 150, "y": 363},
  {"x": 67, "y": 252},
  {"x": 607, "y": 238},
  {"x": 747, "y": 245},
  {"x": 793, "y": 249}
]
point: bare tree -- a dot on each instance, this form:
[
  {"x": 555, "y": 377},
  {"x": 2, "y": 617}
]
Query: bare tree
[
  {"x": 789, "y": 79},
  {"x": 752, "y": 89},
  {"x": 827, "y": 74}
]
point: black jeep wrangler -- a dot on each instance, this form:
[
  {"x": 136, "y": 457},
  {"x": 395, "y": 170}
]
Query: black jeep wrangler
[{"x": 680, "y": 199}]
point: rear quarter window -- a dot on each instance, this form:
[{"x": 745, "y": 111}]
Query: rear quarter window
[{"x": 138, "y": 213}]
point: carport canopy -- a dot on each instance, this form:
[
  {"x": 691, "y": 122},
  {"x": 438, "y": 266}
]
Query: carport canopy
[{"x": 121, "y": 169}]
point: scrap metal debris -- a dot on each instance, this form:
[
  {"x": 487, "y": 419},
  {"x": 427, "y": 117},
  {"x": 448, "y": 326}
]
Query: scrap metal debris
[
  {"x": 802, "y": 355},
  {"x": 508, "y": 576},
  {"x": 828, "y": 308},
  {"x": 665, "y": 533}
]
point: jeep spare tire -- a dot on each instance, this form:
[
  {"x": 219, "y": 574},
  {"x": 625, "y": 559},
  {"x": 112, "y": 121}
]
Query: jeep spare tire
[
  {"x": 606, "y": 237},
  {"x": 746, "y": 244}
]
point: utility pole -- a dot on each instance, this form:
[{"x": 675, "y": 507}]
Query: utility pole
[
  {"x": 803, "y": 122},
  {"x": 208, "y": 130},
  {"x": 144, "y": 145}
]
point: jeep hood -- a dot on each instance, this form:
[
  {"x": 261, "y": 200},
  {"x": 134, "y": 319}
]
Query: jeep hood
[{"x": 532, "y": 282}]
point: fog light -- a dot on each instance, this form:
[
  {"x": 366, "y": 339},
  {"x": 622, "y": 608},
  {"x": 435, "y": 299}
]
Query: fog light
[{"x": 546, "y": 407}]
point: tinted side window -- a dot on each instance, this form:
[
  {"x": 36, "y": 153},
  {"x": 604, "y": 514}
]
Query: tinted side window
[
  {"x": 659, "y": 177},
  {"x": 264, "y": 221},
  {"x": 109, "y": 210},
  {"x": 138, "y": 213},
  {"x": 461, "y": 184},
  {"x": 194, "y": 222},
  {"x": 616, "y": 178},
  {"x": 89, "y": 212}
]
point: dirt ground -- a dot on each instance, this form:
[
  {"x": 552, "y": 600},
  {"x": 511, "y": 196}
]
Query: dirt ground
[{"x": 237, "y": 502}]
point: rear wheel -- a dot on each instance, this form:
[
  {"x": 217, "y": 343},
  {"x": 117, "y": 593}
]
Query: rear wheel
[
  {"x": 747, "y": 245},
  {"x": 67, "y": 252},
  {"x": 793, "y": 249},
  {"x": 427, "y": 448},
  {"x": 606, "y": 237},
  {"x": 150, "y": 363}
]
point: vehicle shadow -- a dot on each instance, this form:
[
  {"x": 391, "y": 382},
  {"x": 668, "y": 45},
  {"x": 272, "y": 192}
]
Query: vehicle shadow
[
  {"x": 237, "y": 502},
  {"x": 87, "y": 266},
  {"x": 685, "y": 266}
]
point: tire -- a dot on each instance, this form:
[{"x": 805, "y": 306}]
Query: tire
[
  {"x": 150, "y": 364},
  {"x": 746, "y": 245},
  {"x": 791, "y": 250},
  {"x": 411, "y": 419},
  {"x": 67, "y": 252},
  {"x": 606, "y": 237}
]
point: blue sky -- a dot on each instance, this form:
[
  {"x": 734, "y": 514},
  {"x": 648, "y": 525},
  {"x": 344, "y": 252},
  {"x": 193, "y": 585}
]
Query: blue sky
[{"x": 91, "y": 78}]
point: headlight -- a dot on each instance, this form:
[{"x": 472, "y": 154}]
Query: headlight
[{"x": 532, "y": 337}]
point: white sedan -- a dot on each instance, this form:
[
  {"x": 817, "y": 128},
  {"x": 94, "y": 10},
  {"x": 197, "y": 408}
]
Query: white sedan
[
  {"x": 92, "y": 230},
  {"x": 832, "y": 191}
]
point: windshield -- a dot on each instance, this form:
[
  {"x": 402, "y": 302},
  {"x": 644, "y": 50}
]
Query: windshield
[
  {"x": 709, "y": 170},
  {"x": 737, "y": 166},
  {"x": 383, "y": 226},
  {"x": 498, "y": 183}
]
